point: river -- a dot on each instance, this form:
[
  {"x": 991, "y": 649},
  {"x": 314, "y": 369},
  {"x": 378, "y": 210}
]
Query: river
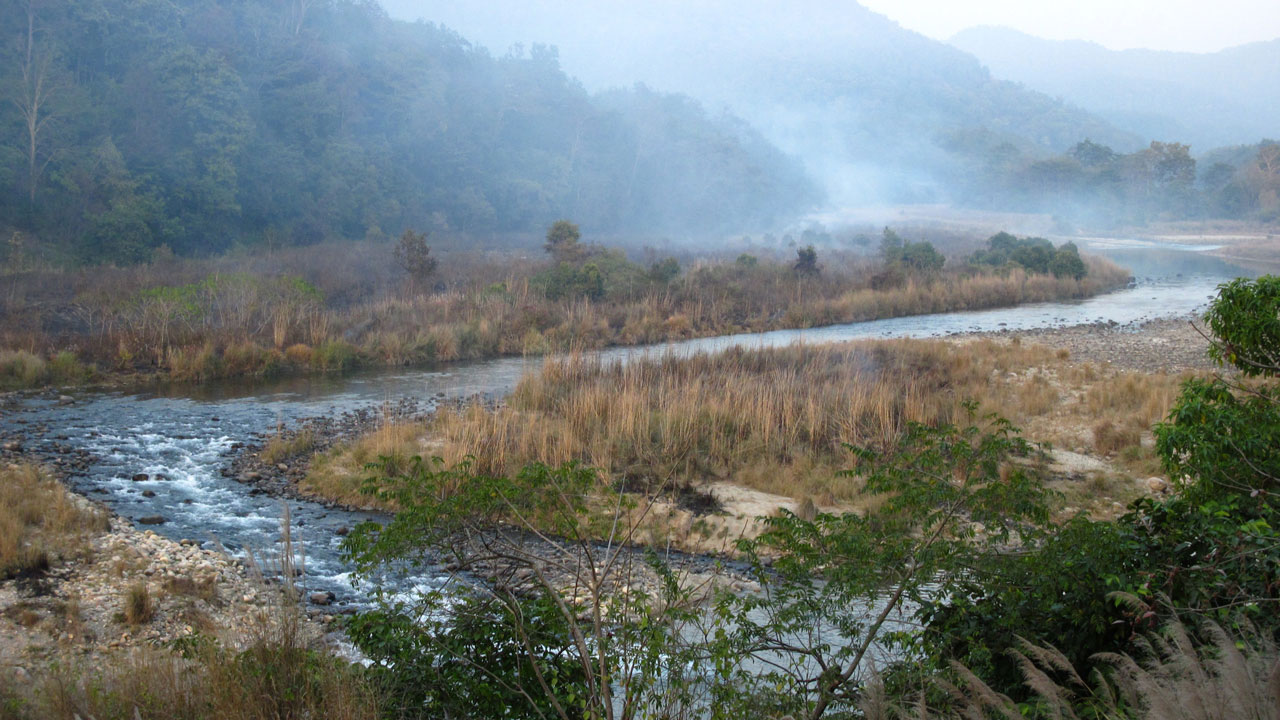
[{"x": 182, "y": 437}]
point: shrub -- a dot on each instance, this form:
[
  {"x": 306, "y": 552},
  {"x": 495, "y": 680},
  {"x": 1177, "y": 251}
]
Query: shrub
[
  {"x": 335, "y": 355},
  {"x": 138, "y": 608},
  {"x": 21, "y": 369}
]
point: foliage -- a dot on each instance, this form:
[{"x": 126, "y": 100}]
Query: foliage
[
  {"x": 206, "y": 125},
  {"x": 463, "y": 655},
  {"x": 1245, "y": 321},
  {"x": 1033, "y": 254},
  {"x": 917, "y": 257},
  {"x": 562, "y": 240},
  {"x": 568, "y": 630},
  {"x": 664, "y": 271},
  {"x": 1211, "y": 550},
  {"x": 807, "y": 261},
  {"x": 565, "y": 280},
  {"x": 1092, "y": 183},
  {"x": 413, "y": 255},
  {"x": 834, "y": 600}
]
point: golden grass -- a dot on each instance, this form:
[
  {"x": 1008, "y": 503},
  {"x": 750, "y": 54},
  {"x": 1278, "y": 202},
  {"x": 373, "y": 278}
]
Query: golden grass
[
  {"x": 283, "y": 446},
  {"x": 775, "y": 420},
  {"x": 138, "y": 608},
  {"x": 240, "y": 322},
  {"x": 338, "y": 474},
  {"x": 41, "y": 521}
]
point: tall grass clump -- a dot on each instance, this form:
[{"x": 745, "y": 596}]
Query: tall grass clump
[
  {"x": 41, "y": 521},
  {"x": 773, "y": 419},
  {"x": 283, "y": 446},
  {"x": 20, "y": 369},
  {"x": 1212, "y": 674}
]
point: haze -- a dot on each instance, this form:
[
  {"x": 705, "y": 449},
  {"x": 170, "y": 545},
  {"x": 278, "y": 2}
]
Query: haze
[{"x": 1174, "y": 25}]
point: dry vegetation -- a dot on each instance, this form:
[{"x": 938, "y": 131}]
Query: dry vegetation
[
  {"x": 775, "y": 420},
  {"x": 1176, "y": 673},
  {"x": 333, "y": 307},
  {"x": 40, "y": 522},
  {"x": 258, "y": 663}
]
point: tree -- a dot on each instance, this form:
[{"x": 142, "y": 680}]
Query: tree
[
  {"x": 562, "y": 241},
  {"x": 1211, "y": 550},
  {"x": 1066, "y": 262},
  {"x": 33, "y": 100},
  {"x": 413, "y": 255},
  {"x": 564, "y": 631},
  {"x": 890, "y": 247},
  {"x": 807, "y": 261},
  {"x": 922, "y": 257}
]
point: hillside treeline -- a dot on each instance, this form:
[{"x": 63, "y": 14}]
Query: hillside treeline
[{"x": 203, "y": 124}]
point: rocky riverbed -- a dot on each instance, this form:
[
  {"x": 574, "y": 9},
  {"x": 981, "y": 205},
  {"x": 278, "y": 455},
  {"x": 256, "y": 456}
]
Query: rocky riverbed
[
  {"x": 77, "y": 608},
  {"x": 1169, "y": 345}
]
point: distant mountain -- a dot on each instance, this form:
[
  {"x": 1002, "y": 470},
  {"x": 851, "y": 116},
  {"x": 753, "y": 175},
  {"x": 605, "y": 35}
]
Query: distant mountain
[
  {"x": 1207, "y": 100},
  {"x": 876, "y": 111}
]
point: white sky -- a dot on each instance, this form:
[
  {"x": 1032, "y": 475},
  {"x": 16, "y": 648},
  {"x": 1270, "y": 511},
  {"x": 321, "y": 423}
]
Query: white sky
[{"x": 1188, "y": 25}]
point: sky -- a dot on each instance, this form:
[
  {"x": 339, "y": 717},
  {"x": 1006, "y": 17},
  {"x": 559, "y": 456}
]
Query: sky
[{"x": 1180, "y": 25}]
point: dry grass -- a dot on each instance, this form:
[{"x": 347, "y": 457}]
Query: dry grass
[
  {"x": 41, "y": 521},
  {"x": 339, "y": 473},
  {"x": 138, "y": 607},
  {"x": 283, "y": 446},
  {"x": 1175, "y": 674},
  {"x": 333, "y": 307},
  {"x": 775, "y": 420},
  {"x": 264, "y": 668}
]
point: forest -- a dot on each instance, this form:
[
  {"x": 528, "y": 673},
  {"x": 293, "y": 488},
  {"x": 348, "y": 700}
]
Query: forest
[{"x": 206, "y": 125}]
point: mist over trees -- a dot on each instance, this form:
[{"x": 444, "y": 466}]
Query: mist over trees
[
  {"x": 1093, "y": 184},
  {"x": 869, "y": 106},
  {"x": 203, "y": 124}
]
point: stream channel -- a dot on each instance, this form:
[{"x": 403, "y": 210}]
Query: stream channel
[{"x": 182, "y": 437}]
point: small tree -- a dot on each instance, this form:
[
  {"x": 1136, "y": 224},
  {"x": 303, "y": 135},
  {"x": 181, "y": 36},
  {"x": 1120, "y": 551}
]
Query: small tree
[
  {"x": 566, "y": 630},
  {"x": 838, "y": 590},
  {"x": 413, "y": 255},
  {"x": 562, "y": 240},
  {"x": 807, "y": 261}
]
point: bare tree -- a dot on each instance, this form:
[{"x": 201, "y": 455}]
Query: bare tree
[{"x": 33, "y": 102}]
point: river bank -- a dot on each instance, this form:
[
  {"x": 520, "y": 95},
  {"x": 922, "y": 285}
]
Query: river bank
[{"x": 122, "y": 589}]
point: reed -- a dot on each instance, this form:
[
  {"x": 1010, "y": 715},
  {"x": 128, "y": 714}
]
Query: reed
[
  {"x": 337, "y": 306},
  {"x": 775, "y": 420}
]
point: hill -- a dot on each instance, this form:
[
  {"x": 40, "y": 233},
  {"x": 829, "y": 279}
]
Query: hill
[
  {"x": 1208, "y": 100},
  {"x": 875, "y": 110},
  {"x": 205, "y": 124}
]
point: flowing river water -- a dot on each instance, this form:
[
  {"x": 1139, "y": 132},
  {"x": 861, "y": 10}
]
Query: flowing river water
[{"x": 183, "y": 437}]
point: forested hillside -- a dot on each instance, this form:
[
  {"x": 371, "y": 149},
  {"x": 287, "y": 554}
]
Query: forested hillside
[
  {"x": 877, "y": 111},
  {"x": 202, "y": 124}
]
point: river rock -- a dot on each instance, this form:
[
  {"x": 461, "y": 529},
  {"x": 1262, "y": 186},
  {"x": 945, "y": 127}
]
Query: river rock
[
  {"x": 321, "y": 598},
  {"x": 148, "y": 493},
  {"x": 152, "y": 520},
  {"x": 141, "y": 477},
  {"x": 13, "y": 446}
]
